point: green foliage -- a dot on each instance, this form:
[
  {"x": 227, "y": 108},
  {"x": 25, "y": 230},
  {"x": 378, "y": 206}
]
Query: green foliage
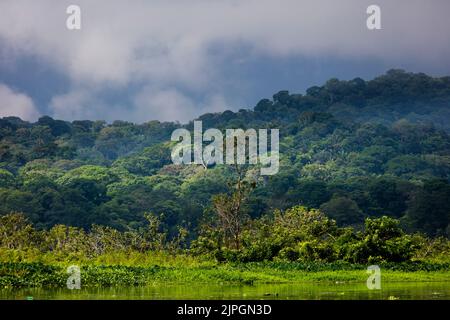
[
  {"x": 7, "y": 179},
  {"x": 299, "y": 234},
  {"x": 355, "y": 149},
  {"x": 344, "y": 210},
  {"x": 38, "y": 274},
  {"x": 16, "y": 232},
  {"x": 383, "y": 240},
  {"x": 295, "y": 245},
  {"x": 429, "y": 208}
]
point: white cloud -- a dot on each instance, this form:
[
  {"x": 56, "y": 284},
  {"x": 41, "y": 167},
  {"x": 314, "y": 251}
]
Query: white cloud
[
  {"x": 168, "y": 41},
  {"x": 82, "y": 103},
  {"x": 73, "y": 105},
  {"x": 16, "y": 104},
  {"x": 173, "y": 44},
  {"x": 148, "y": 104},
  {"x": 170, "y": 105}
]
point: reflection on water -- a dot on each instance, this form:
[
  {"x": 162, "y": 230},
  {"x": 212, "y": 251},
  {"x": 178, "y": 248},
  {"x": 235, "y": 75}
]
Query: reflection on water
[{"x": 337, "y": 291}]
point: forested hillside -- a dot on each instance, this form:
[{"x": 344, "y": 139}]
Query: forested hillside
[{"x": 353, "y": 149}]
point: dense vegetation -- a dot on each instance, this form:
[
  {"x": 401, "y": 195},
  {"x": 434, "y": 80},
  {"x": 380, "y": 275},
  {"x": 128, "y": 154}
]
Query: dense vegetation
[
  {"x": 295, "y": 246},
  {"x": 364, "y": 178},
  {"x": 36, "y": 274},
  {"x": 354, "y": 149},
  {"x": 297, "y": 234}
]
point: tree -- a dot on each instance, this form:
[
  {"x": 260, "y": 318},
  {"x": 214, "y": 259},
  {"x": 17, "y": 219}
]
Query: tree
[
  {"x": 6, "y": 179},
  {"x": 344, "y": 210},
  {"x": 229, "y": 209},
  {"x": 309, "y": 192},
  {"x": 429, "y": 208},
  {"x": 16, "y": 232},
  {"x": 382, "y": 241}
]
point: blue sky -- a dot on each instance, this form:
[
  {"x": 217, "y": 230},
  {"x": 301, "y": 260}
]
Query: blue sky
[{"x": 174, "y": 60}]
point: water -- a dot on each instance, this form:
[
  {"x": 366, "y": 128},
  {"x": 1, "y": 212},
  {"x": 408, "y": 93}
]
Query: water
[{"x": 330, "y": 291}]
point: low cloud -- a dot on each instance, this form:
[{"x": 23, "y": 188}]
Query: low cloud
[
  {"x": 170, "y": 105},
  {"x": 82, "y": 103},
  {"x": 148, "y": 103},
  {"x": 183, "y": 48},
  {"x": 16, "y": 104}
]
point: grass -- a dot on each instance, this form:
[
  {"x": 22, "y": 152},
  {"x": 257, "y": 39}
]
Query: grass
[
  {"x": 25, "y": 269},
  {"x": 38, "y": 274}
]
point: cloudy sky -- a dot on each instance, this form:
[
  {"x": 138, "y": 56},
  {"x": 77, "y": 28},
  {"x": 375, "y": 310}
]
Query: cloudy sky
[{"x": 176, "y": 59}]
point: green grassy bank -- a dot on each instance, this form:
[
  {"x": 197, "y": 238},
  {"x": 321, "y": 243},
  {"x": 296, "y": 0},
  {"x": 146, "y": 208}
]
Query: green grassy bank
[{"x": 38, "y": 274}]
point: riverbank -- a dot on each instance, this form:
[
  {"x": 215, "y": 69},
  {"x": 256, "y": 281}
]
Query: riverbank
[{"x": 37, "y": 274}]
